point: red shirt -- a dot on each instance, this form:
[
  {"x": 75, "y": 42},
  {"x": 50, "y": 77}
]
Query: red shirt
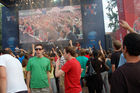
[
  {"x": 55, "y": 58},
  {"x": 72, "y": 69},
  {"x": 87, "y": 56}
]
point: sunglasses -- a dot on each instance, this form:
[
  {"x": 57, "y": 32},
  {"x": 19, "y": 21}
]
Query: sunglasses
[{"x": 38, "y": 49}]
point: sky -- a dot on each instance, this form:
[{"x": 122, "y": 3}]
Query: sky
[{"x": 106, "y": 20}]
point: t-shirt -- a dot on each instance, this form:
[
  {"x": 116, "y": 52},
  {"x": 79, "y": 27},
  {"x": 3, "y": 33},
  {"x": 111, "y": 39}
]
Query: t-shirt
[
  {"x": 83, "y": 61},
  {"x": 122, "y": 60},
  {"x": 15, "y": 77},
  {"x": 108, "y": 63},
  {"x": 126, "y": 79},
  {"x": 38, "y": 68},
  {"x": 21, "y": 58},
  {"x": 87, "y": 56},
  {"x": 72, "y": 71},
  {"x": 115, "y": 57}
]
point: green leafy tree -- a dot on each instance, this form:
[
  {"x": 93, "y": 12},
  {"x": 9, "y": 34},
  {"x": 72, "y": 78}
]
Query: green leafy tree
[{"x": 112, "y": 15}]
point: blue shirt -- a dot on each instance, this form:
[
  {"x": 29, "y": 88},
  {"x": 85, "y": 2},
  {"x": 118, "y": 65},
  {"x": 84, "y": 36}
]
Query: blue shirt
[
  {"x": 20, "y": 59},
  {"x": 108, "y": 63},
  {"x": 122, "y": 60}
]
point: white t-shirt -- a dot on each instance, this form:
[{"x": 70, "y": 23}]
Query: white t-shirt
[{"x": 15, "y": 78}]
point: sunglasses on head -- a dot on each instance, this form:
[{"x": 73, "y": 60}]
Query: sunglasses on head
[{"x": 38, "y": 48}]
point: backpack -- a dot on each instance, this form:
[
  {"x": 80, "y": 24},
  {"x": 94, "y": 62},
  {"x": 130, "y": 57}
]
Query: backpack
[{"x": 90, "y": 72}]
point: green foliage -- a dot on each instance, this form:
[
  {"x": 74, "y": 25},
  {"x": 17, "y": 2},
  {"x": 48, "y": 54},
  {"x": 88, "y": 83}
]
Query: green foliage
[{"x": 112, "y": 14}]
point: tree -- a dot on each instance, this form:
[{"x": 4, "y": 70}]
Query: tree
[{"x": 112, "y": 14}]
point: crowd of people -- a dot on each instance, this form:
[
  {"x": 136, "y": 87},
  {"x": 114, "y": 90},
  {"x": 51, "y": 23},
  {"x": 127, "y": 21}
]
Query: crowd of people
[
  {"x": 54, "y": 24},
  {"x": 73, "y": 69}
]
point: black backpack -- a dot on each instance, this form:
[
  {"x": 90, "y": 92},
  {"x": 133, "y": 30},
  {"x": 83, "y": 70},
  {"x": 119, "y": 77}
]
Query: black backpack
[{"x": 90, "y": 72}]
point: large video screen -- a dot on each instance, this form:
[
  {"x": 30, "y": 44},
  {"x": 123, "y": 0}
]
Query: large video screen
[{"x": 50, "y": 24}]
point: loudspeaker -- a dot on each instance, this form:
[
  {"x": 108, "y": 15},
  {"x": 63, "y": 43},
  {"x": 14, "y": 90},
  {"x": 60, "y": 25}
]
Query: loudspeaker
[{"x": 108, "y": 42}]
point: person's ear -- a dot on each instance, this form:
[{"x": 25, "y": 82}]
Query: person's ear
[{"x": 124, "y": 49}]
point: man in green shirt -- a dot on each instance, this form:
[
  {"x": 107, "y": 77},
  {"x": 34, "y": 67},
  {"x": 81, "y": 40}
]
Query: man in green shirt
[{"x": 38, "y": 67}]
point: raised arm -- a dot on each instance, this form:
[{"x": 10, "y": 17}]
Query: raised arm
[
  {"x": 61, "y": 52},
  {"x": 101, "y": 48},
  {"x": 55, "y": 53},
  {"x": 126, "y": 26},
  {"x": 22, "y": 50},
  {"x": 33, "y": 50},
  {"x": 90, "y": 50},
  {"x": 58, "y": 72},
  {"x": 70, "y": 42}
]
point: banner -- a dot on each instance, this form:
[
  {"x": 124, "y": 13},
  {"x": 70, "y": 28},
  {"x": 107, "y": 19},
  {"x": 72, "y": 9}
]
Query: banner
[
  {"x": 129, "y": 10},
  {"x": 93, "y": 23},
  {"x": 9, "y": 28}
]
